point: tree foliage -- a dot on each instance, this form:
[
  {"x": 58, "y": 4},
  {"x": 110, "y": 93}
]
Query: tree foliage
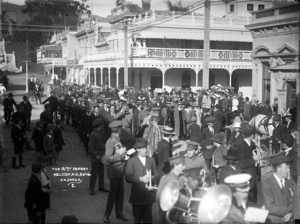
[
  {"x": 176, "y": 7},
  {"x": 48, "y": 14}
]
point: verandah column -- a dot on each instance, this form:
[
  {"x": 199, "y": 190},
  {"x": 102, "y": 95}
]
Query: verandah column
[
  {"x": 117, "y": 74},
  {"x": 108, "y": 73}
]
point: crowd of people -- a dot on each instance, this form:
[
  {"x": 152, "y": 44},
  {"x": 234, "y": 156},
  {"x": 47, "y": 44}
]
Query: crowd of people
[{"x": 177, "y": 135}]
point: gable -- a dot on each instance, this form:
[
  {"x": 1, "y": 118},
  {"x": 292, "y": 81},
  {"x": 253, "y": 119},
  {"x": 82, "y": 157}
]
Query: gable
[{"x": 285, "y": 49}]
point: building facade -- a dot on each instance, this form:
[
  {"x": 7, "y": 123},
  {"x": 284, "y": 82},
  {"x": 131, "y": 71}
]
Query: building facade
[{"x": 276, "y": 35}]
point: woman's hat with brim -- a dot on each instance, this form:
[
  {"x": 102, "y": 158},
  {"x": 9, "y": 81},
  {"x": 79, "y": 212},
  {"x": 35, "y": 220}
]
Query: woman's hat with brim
[
  {"x": 140, "y": 143},
  {"x": 168, "y": 130}
]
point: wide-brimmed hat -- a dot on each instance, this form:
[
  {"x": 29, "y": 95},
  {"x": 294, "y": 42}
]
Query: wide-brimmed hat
[
  {"x": 218, "y": 137},
  {"x": 232, "y": 154},
  {"x": 210, "y": 119},
  {"x": 168, "y": 130},
  {"x": 140, "y": 143},
  {"x": 97, "y": 122}
]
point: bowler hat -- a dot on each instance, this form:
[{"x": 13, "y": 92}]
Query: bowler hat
[
  {"x": 232, "y": 155},
  {"x": 279, "y": 158},
  {"x": 140, "y": 143},
  {"x": 218, "y": 137},
  {"x": 168, "y": 130},
  {"x": 193, "y": 172}
]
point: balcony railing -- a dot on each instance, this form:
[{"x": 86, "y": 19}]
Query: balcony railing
[{"x": 172, "y": 53}]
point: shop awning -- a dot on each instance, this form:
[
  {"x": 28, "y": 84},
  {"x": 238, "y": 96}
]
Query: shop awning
[{"x": 52, "y": 47}]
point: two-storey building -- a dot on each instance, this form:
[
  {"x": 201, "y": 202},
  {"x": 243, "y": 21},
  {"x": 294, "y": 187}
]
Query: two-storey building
[{"x": 276, "y": 35}]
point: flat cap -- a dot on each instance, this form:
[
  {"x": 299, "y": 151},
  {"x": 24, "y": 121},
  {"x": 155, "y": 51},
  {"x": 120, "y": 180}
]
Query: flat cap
[
  {"x": 193, "y": 172},
  {"x": 240, "y": 182},
  {"x": 279, "y": 158},
  {"x": 210, "y": 119},
  {"x": 232, "y": 155},
  {"x": 115, "y": 124},
  {"x": 247, "y": 128}
]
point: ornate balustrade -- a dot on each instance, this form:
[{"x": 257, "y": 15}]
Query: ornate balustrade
[{"x": 170, "y": 53}]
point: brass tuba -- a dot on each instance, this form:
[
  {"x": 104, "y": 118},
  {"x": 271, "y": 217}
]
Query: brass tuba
[{"x": 214, "y": 205}]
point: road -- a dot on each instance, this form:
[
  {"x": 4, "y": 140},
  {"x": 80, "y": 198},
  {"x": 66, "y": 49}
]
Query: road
[{"x": 65, "y": 200}]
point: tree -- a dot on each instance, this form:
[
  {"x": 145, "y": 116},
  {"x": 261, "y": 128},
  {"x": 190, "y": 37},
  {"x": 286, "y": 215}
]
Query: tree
[
  {"x": 47, "y": 17},
  {"x": 176, "y": 7}
]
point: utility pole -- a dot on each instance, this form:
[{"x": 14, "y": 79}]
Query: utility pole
[
  {"x": 206, "y": 46},
  {"x": 125, "y": 54}
]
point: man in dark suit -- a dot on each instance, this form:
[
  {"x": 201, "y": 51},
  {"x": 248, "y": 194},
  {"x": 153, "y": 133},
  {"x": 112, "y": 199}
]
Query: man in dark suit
[
  {"x": 278, "y": 192},
  {"x": 247, "y": 160},
  {"x": 53, "y": 101},
  {"x": 86, "y": 127},
  {"x": 8, "y": 104},
  {"x": 278, "y": 133},
  {"x": 164, "y": 151},
  {"x": 115, "y": 173},
  {"x": 290, "y": 125},
  {"x": 231, "y": 168},
  {"x": 205, "y": 140},
  {"x": 140, "y": 170},
  {"x": 34, "y": 199},
  {"x": 96, "y": 147},
  {"x": 46, "y": 116}
]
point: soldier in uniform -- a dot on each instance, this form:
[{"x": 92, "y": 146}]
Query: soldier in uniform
[
  {"x": 278, "y": 133},
  {"x": 193, "y": 158}
]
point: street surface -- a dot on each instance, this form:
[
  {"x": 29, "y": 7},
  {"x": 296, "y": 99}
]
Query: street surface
[{"x": 72, "y": 199}]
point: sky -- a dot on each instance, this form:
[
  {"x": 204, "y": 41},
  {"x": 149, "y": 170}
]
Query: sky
[{"x": 103, "y": 7}]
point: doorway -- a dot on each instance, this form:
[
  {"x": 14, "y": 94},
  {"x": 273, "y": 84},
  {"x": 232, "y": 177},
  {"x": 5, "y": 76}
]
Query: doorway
[{"x": 156, "y": 81}]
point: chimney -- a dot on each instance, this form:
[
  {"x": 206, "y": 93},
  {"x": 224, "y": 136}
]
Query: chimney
[{"x": 146, "y": 5}]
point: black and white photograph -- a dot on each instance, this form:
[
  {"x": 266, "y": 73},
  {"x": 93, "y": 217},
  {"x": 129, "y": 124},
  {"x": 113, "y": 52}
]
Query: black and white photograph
[{"x": 149, "y": 111}]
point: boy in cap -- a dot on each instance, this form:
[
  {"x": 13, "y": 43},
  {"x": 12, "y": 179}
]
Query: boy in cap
[
  {"x": 220, "y": 151},
  {"x": 194, "y": 130},
  {"x": 138, "y": 171},
  {"x": 277, "y": 190}
]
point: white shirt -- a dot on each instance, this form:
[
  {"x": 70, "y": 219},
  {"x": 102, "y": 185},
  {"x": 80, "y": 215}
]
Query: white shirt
[
  {"x": 281, "y": 182},
  {"x": 248, "y": 142},
  {"x": 143, "y": 160},
  {"x": 211, "y": 129}
]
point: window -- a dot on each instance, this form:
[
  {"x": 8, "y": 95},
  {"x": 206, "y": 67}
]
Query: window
[
  {"x": 250, "y": 7},
  {"x": 231, "y": 8},
  {"x": 261, "y": 7}
]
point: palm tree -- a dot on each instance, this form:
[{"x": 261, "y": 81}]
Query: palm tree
[{"x": 176, "y": 7}]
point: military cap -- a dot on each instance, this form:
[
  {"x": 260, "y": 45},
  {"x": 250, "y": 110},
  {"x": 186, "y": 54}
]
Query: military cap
[
  {"x": 210, "y": 119},
  {"x": 176, "y": 160},
  {"x": 232, "y": 155},
  {"x": 276, "y": 118},
  {"x": 247, "y": 128},
  {"x": 140, "y": 143},
  {"x": 279, "y": 158},
  {"x": 239, "y": 182},
  {"x": 193, "y": 172},
  {"x": 168, "y": 130},
  {"x": 97, "y": 122},
  {"x": 218, "y": 137},
  {"x": 192, "y": 145},
  {"x": 115, "y": 124}
]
